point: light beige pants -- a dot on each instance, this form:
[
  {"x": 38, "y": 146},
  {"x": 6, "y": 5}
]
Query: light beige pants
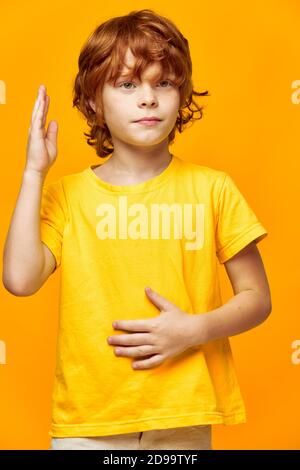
[{"x": 183, "y": 438}]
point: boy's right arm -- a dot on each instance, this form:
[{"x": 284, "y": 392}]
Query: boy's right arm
[{"x": 27, "y": 261}]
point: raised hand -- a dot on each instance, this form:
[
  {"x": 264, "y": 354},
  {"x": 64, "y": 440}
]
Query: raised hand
[{"x": 41, "y": 149}]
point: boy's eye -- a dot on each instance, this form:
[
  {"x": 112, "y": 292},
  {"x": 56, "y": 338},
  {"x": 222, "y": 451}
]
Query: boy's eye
[
  {"x": 125, "y": 83},
  {"x": 162, "y": 81},
  {"x": 166, "y": 81}
]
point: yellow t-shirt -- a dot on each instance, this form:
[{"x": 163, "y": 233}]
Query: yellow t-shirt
[{"x": 168, "y": 232}]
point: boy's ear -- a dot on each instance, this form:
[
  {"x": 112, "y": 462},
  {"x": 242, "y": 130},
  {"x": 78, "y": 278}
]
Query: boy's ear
[{"x": 92, "y": 104}]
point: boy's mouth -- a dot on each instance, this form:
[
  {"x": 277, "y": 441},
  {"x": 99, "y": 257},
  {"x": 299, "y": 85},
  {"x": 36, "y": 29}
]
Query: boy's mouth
[{"x": 151, "y": 118}]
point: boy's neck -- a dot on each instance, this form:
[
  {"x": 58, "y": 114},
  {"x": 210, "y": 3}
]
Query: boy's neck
[
  {"x": 115, "y": 173},
  {"x": 137, "y": 166}
]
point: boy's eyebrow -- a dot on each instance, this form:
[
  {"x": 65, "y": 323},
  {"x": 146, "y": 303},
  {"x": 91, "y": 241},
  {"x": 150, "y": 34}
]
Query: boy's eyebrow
[{"x": 129, "y": 74}]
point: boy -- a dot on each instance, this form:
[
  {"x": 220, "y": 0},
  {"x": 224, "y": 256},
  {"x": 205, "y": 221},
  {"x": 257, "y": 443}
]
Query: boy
[{"x": 142, "y": 219}]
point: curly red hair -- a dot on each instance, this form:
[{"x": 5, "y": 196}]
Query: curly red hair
[{"x": 150, "y": 37}]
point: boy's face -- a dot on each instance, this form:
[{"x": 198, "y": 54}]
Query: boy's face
[{"x": 134, "y": 99}]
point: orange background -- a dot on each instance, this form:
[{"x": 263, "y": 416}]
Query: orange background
[{"x": 247, "y": 55}]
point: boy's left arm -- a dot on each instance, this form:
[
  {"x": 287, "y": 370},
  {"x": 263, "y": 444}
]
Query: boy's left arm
[{"x": 250, "y": 306}]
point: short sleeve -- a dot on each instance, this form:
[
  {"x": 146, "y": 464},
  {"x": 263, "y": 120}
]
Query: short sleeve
[
  {"x": 53, "y": 217},
  {"x": 237, "y": 225}
]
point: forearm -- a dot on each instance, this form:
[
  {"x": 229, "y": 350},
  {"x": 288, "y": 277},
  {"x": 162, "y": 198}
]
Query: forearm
[
  {"x": 242, "y": 312},
  {"x": 23, "y": 257}
]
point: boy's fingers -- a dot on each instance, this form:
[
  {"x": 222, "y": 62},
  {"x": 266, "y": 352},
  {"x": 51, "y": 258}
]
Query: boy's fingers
[
  {"x": 35, "y": 108},
  {"x": 39, "y": 102},
  {"x": 52, "y": 132},
  {"x": 37, "y": 123},
  {"x": 46, "y": 109},
  {"x": 32, "y": 124},
  {"x": 37, "y": 112}
]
